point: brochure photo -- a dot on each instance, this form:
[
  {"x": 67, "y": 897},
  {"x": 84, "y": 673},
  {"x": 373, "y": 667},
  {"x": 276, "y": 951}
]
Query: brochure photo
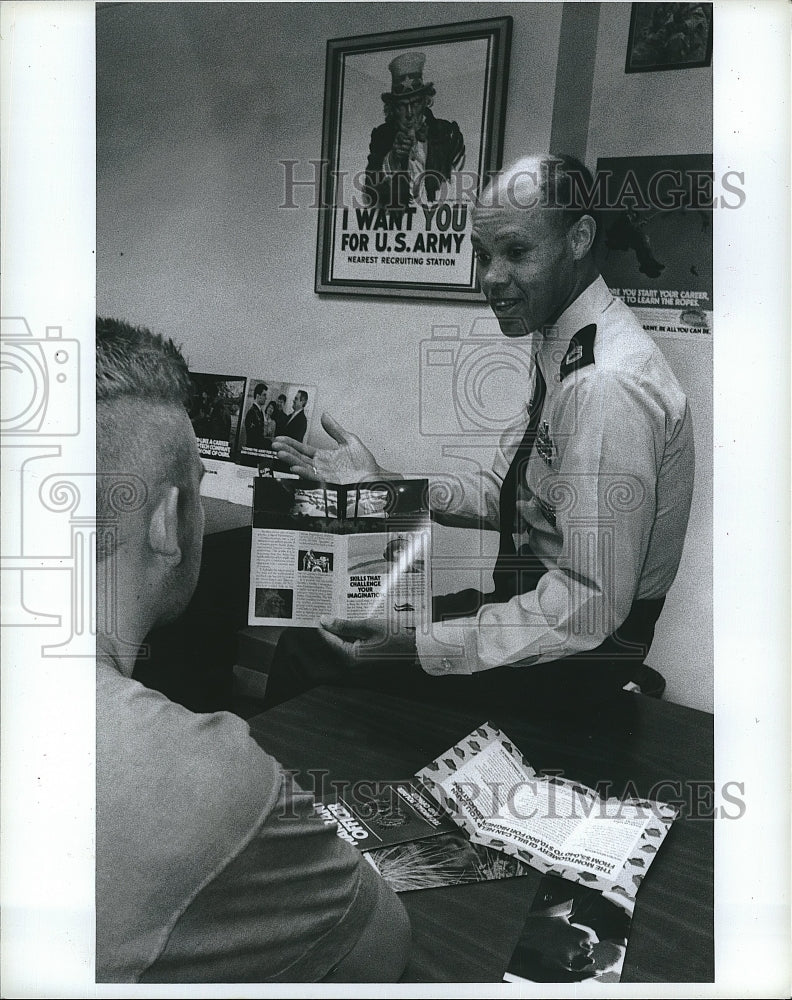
[
  {"x": 447, "y": 859},
  {"x": 572, "y": 934},
  {"x": 272, "y": 409}
]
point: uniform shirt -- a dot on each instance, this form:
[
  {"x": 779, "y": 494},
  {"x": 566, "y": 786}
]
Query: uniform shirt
[
  {"x": 603, "y": 503},
  {"x": 210, "y": 865}
]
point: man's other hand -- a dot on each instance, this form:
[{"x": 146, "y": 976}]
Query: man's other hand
[
  {"x": 348, "y": 461},
  {"x": 369, "y": 640}
]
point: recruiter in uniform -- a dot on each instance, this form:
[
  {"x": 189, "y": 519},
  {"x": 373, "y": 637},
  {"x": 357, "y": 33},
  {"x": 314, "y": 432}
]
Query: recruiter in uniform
[{"x": 590, "y": 492}]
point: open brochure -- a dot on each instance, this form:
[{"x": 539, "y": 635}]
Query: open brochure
[
  {"x": 359, "y": 551},
  {"x": 555, "y": 825}
]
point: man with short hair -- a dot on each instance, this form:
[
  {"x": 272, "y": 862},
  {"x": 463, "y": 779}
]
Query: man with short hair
[
  {"x": 211, "y": 866},
  {"x": 590, "y": 492},
  {"x": 297, "y": 423},
  {"x": 254, "y": 419}
]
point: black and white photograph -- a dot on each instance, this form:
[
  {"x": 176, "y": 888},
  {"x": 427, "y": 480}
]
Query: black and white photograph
[
  {"x": 272, "y": 408},
  {"x": 447, "y": 859},
  {"x": 274, "y": 602},
  {"x": 669, "y": 36},
  {"x": 313, "y": 561},
  {"x": 571, "y": 935},
  {"x": 214, "y": 408},
  {"x": 376, "y": 378}
]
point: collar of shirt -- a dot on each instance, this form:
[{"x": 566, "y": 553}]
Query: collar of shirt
[{"x": 592, "y": 301}]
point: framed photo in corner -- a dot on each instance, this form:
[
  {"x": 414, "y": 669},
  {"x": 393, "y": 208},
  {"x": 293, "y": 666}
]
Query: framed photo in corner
[
  {"x": 413, "y": 128},
  {"x": 669, "y": 36}
]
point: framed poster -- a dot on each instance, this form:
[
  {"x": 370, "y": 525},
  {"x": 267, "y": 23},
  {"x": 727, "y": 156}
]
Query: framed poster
[
  {"x": 657, "y": 245},
  {"x": 413, "y": 128},
  {"x": 669, "y": 36}
]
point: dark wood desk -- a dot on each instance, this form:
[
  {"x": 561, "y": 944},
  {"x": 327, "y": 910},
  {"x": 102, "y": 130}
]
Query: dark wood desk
[
  {"x": 467, "y": 933},
  {"x": 220, "y": 515}
]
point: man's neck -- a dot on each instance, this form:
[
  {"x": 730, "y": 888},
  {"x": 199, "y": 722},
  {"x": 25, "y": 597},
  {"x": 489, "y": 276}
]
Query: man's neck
[
  {"x": 119, "y": 634},
  {"x": 583, "y": 280}
]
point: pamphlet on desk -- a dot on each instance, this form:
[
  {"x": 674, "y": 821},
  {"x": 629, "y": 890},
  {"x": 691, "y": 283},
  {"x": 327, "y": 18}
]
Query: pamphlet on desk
[
  {"x": 557, "y": 826},
  {"x": 410, "y": 840},
  {"x": 480, "y": 812},
  {"x": 354, "y": 551}
]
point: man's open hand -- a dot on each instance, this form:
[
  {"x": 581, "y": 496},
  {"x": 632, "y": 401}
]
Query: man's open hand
[
  {"x": 369, "y": 640},
  {"x": 348, "y": 461}
]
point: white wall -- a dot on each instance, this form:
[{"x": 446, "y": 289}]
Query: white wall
[
  {"x": 196, "y": 105},
  {"x": 652, "y": 114}
]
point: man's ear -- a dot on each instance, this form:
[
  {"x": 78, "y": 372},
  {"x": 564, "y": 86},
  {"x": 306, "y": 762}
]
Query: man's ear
[
  {"x": 581, "y": 235},
  {"x": 163, "y": 533}
]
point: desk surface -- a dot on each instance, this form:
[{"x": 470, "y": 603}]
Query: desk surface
[
  {"x": 221, "y": 515},
  {"x": 467, "y": 933}
]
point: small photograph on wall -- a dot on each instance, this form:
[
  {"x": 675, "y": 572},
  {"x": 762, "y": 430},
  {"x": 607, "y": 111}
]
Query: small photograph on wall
[
  {"x": 273, "y": 408},
  {"x": 656, "y": 249},
  {"x": 214, "y": 409},
  {"x": 413, "y": 127},
  {"x": 669, "y": 36}
]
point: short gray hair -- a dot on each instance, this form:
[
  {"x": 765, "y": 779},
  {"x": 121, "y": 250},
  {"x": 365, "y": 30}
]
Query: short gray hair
[
  {"x": 140, "y": 378},
  {"x": 131, "y": 361}
]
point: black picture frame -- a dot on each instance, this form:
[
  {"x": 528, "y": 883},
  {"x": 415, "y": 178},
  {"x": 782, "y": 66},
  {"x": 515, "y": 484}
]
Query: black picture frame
[
  {"x": 464, "y": 72},
  {"x": 666, "y": 36}
]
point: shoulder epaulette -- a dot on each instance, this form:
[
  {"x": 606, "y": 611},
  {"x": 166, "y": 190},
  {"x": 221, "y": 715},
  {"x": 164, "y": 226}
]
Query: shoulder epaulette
[{"x": 580, "y": 352}]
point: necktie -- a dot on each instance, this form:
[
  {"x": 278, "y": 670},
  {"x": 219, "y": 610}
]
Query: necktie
[{"x": 517, "y": 573}]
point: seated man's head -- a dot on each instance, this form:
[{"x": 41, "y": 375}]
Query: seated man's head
[
  {"x": 149, "y": 512},
  {"x": 533, "y": 238}
]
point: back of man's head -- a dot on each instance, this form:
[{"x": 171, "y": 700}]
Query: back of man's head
[{"x": 142, "y": 387}]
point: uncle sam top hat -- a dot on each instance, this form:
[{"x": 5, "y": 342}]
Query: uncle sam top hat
[{"x": 407, "y": 77}]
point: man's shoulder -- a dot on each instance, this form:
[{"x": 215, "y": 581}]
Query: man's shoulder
[
  {"x": 613, "y": 356},
  {"x": 144, "y": 740},
  {"x": 441, "y": 127},
  {"x": 622, "y": 349},
  {"x": 179, "y": 796},
  {"x": 383, "y": 133}
]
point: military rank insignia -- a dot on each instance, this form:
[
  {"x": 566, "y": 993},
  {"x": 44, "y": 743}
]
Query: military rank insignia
[
  {"x": 544, "y": 443},
  {"x": 580, "y": 352}
]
